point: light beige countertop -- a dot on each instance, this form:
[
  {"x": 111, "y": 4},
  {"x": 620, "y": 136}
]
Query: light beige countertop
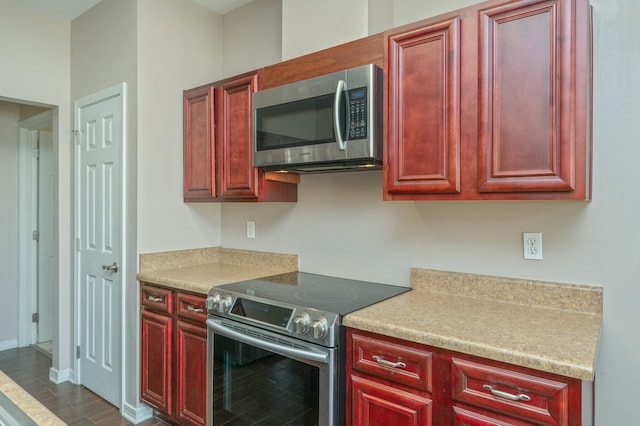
[
  {"x": 550, "y": 327},
  {"x": 27, "y": 403},
  {"x": 198, "y": 270}
]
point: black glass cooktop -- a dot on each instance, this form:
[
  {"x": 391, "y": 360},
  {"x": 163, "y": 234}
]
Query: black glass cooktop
[{"x": 332, "y": 294}]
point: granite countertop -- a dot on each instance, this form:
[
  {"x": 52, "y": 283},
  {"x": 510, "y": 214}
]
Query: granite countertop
[
  {"x": 27, "y": 403},
  {"x": 546, "y": 326},
  {"x": 200, "y": 269}
]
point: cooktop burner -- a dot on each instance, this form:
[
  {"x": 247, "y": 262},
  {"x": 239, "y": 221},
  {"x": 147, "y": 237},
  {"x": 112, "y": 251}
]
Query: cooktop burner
[{"x": 332, "y": 294}]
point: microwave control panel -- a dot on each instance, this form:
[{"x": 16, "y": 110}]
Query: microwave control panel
[{"x": 358, "y": 113}]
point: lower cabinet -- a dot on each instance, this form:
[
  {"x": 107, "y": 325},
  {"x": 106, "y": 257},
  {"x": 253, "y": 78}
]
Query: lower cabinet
[
  {"x": 375, "y": 403},
  {"x": 392, "y": 381},
  {"x": 388, "y": 382},
  {"x": 173, "y": 354}
]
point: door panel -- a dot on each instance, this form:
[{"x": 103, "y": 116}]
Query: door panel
[
  {"x": 45, "y": 236},
  {"x": 99, "y": 235}
]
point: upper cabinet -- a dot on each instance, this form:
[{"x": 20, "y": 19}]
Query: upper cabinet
[
  {"x": 199, "y": 145},
  {"x": 218, "y": 146},
  {"x": 490, "y": 102},
  {"x": 422, "y": 109}
]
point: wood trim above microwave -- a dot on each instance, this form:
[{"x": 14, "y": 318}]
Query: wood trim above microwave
[{"x": 368, "y": 50}]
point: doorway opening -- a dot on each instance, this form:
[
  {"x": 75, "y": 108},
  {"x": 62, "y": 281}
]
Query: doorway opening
[{"x": 36, "y": 253}]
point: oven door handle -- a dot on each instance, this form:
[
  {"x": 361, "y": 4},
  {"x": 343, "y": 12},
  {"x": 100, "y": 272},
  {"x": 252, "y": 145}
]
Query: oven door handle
[{"x": 322, "y": 358}]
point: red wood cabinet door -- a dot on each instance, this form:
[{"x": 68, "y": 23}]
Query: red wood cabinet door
[
  {"x": 375, "y": 404},
  {"x": 191, "y": 371},
  {"x": 156, "y": 355},
  {"x": 238, "y": 177},
  {"x": 198, "y": 144},
  {"x": 422, "y": 109},
  {"x": 532, "y": 86}
]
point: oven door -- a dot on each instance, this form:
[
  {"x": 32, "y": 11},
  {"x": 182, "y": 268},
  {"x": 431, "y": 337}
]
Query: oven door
[{"x": 259, "y": 377}]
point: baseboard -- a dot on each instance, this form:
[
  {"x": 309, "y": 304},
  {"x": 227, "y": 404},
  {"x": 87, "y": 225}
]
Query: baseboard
[
  {"x": 60, "y": 376},
  {"x": 8, "y": 344},
  {"x": 136, "y": 415}
]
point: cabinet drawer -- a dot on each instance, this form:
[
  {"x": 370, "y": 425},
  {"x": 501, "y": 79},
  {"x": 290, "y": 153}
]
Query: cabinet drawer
[
  {"x": 398, "y": 363},
  {"x": 157, "y": 298},
  {"x": 521, "y": 395},
  {"x": 192, "y": 307},
  {"x": 476, "y": 417}
]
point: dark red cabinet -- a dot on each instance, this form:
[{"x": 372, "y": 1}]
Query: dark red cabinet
[
  {"x": 218, "y": 146},
  {"x": 392, "y": 381},
  {"x": 173, "y": 351},
  {"x": 156, "y": 362},
  {"x": 490, "y": 102},
  {"x": 199, "y": 157}
]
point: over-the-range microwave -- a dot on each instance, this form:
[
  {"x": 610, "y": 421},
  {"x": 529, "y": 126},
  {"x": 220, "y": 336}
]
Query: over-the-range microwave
[{"x": 324, "y": 124}]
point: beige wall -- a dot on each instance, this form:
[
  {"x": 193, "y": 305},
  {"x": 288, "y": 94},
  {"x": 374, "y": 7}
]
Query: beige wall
[
  {"x": 257, "y": 23},
  {"x": 308, "y": 26},
  {"x": 35, "y": 70},
  {"x": 341, "y": 226},
  {"x": 9, "y": 142},
  {"x": 103, "y": 54},
  {"x": 180, "y": 47},
  {"x": 159, "y": 48}
]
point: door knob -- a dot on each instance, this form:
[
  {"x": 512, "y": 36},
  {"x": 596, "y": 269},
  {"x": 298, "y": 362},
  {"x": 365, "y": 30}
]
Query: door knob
[{"x": 110, "y": 268}]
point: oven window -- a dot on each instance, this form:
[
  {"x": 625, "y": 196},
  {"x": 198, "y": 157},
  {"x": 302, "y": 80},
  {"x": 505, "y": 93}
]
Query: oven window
[{"x": 252, "y": 386}]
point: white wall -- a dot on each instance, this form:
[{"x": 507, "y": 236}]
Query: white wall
[
  {"x": 340, "y": 226},
  {"x": 35, "y": 68},
  {"x": 9, "y": 142}
]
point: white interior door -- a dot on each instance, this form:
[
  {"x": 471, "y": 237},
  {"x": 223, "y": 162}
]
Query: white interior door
[
  {"x": 45, "y": 236},
  {"x": 99, "y": 243}
]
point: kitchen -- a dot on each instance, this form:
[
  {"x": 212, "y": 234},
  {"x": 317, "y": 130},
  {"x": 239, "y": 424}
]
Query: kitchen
[{"x": 587, "y": 243}]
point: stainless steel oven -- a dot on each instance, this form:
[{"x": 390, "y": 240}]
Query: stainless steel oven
[
  {"x": 276, "y": 348},
  {"x": 262, "y": 378}
]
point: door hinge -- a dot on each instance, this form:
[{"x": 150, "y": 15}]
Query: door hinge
[
  {"x": 76, "y": 135},
  {"x": 78, "y": 352},
  {"x": 35, "y": 153},
  {"x": 35, "y": 235},
  {"x": 77, "y": 244},
  {"x": 35, "y": 317}
]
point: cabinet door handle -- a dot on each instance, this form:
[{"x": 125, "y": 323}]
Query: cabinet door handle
[
  {"x": 386, "y": 363},
  {"x": 155, "y": 299},
  {"x": 506, "y": 395},
  {"x": 194, "y": 310}
]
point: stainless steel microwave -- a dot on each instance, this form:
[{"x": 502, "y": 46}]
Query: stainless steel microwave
[{"x": 324, "y": 124}]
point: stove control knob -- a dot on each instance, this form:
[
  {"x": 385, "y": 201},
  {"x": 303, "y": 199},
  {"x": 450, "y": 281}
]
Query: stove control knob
[
  {"x": 320, "y": 328},
  {"x": 212, "y": 301},
  {"x": 224, "y": 304},
  {"x": 301, "y": 323}
]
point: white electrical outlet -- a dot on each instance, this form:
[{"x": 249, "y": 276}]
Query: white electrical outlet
[
  {"x": 251, "y": 229},
  {"x": 532, "y": 245}
]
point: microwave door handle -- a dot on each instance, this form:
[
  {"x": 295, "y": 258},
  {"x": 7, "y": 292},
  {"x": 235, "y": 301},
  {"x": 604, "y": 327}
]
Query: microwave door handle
[{"x": 336, "y": 114}]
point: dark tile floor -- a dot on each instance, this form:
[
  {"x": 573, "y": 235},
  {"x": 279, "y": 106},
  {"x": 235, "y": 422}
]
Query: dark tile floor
[{"x": 73, "y": 404}]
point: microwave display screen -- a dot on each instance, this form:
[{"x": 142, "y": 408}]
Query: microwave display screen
[{"x": 305, "y": 122}]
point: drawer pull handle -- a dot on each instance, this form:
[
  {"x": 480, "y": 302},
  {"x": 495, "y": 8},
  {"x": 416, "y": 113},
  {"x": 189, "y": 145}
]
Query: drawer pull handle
[
  {"x": 194, "y": 310},
  {"x": 386, "y": 363},
  {"x": 506, "y": 395},
  {"x": 155, "y": 299}
]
